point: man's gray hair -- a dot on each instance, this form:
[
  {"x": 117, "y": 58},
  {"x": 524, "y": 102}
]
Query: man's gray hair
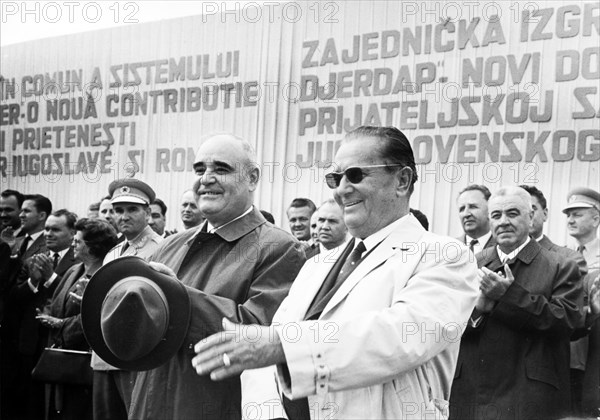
[{"x": 512, "y": 190}]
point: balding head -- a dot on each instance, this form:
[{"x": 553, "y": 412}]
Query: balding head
[
  {"x": 228, "y": 175},
  {"x": 510, "y": 217}
]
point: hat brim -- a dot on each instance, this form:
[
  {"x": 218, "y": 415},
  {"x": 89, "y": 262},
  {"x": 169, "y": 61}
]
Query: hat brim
[
  {"x": 579, "y": 205},
  {"x": 91, "y": 308},
  {"x": 128, "y": 199}
]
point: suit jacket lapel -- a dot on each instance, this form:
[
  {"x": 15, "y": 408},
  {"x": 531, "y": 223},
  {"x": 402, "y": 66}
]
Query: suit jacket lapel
[
  {"x": 406, "y": 233},
  {"x": 65, "y": 263},
  {"x": 322, "y": 268},
  {"x": 39, "y": 245}
]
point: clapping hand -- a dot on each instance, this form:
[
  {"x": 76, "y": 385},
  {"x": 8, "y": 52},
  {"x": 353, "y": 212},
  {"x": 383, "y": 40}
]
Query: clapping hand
[
  {"x": 78, "y": 289},
  {"x": 494, "y": 285},
  {"x": 47, "y": 320},
  {"x": 40, "y": 268},
  {"x": 8, "y": 235}
]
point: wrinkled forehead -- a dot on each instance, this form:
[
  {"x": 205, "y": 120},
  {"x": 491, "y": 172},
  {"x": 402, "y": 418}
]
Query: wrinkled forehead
[
  {"x": 221, "y": 149},
  {"x": 331, "y": 211},
  {"x": 506, "y": 203}
]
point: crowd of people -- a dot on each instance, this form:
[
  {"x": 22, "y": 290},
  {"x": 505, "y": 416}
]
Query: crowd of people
[{"x": 354, "y": 310}]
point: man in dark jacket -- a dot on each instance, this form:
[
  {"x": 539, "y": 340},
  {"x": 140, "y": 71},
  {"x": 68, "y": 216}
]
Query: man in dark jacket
[
  {"x": 514, "y": 355},
  {"x": 234, "y": 265}
]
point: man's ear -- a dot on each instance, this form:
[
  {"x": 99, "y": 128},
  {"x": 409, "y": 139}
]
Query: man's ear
[
  {"x": 253, "y": 175},
  {"x": 404, "y": 177}
]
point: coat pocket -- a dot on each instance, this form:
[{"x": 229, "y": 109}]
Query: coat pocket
[{"x": 542, "y": 374}]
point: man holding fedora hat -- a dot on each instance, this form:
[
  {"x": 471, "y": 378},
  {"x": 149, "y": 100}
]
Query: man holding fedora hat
[
  {"x": 233, "y": 265},
  {"x": 131, "y": 200}
]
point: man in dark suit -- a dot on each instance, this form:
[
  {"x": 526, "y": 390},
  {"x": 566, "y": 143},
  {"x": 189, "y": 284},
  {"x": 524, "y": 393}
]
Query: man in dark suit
[
  {"x": 578, "y": 347},
  {"x": 36, "y": 284},
  {"x": 34, "y": 211},
  {"x": 472, "y": 204},
  {"x": 514, "y": 354},
  {"x": 10, "y": 227}
]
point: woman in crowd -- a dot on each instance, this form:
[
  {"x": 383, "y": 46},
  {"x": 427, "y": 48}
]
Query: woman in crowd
[{"x": 94, "y": 238}]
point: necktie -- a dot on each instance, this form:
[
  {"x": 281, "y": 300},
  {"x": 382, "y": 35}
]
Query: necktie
[
  {"x": 580, "y": 249},
  {"x": 472, "y": 244},
  {"x": 124, "y": 247},
  {"x": 55, "y": 262},
  {"x": 334, "y": 280},
  {"x": 299, "y": 409},
  {"x": 23, "y": 247}
]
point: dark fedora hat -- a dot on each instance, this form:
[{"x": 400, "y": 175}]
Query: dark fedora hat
[{"x": 134, "y": 317}]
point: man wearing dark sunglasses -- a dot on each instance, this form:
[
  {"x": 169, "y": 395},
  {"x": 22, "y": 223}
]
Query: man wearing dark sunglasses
[{"x": 376, "y": 327}]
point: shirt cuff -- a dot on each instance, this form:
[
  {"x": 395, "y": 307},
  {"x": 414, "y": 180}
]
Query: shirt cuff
[
  {"x": 49, "y": 282},
  {"x": 31, "y": 286}
]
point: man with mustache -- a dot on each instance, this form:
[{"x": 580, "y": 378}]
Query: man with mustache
[{"x": 514, "y": 354}]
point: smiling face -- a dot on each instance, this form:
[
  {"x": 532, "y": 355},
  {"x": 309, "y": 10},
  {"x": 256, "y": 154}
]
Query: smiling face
[
  {"x": 32, "y": 220},
  {"x": 380, "y": 198},
  {"x": 57, "y": 233},
  {"x": 510, "y": 218},
  {"x": 227, "y": 180},
  {"x": 299, "y": 219},
  {"x": 473, "y": 213}
]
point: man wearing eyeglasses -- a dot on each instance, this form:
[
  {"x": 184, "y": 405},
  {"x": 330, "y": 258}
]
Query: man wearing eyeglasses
[{"x": 374, "y": 331}]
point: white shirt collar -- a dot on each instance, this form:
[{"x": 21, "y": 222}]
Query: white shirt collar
[
  {"x": 211, "y": 229},
  {"x": 35, "y": 236},
  {"x": 506, "y": 257},
  {"x": 61, "y": 254},
  {"x": 374, "y": 239},
  {"x": 482, "y": 240}
]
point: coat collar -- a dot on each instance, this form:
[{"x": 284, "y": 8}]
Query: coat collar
[
  {"x": 490, "y": 259},
  {"x": 236, "y": 229}
]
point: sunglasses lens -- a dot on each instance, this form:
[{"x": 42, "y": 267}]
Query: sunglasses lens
[
  {"x": 333, "y": 179},
  {"x": 354, "y": 175}
]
